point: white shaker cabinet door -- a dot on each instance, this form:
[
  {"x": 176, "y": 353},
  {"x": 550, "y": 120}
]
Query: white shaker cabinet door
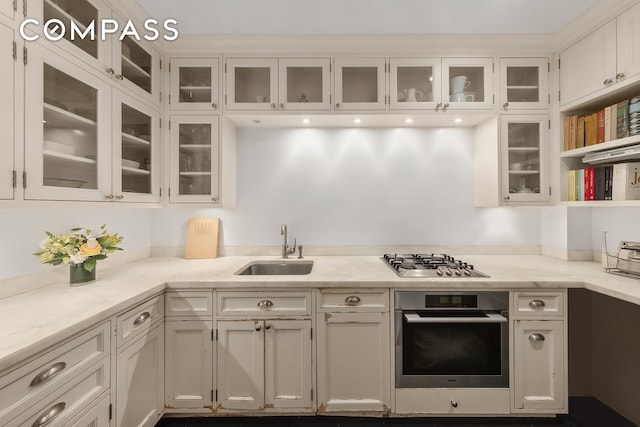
[
  {"x": 140, "y": 381},
  {"x": 241, "y": 364},
  {"x": 97, "y": 415},
  {"x": 353, "y": 362},
  {"x": 288, "y": 363},
  {"x": 589, "y": 65},
  {"x": 7, "y": 106},
  {"x": 539, "y": 371},
  {"x": 189, "y": 364},
  {"x": 628, "y": 43}
]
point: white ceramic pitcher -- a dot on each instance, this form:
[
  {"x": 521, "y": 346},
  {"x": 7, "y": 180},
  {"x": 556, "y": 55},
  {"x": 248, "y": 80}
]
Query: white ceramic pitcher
[
  {"x": 459, "y": 84},
  {"x": 413, "y": 95}
]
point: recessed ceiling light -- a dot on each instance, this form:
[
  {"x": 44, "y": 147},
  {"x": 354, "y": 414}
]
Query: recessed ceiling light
[
  {"x": 409, "y": 121},
  {"x": 305, "y": 121},
  {"x": 458, "y": 120},
  {"x": 357, "y": 121}
]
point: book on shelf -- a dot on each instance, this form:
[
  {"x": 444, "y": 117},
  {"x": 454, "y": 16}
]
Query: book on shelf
[
  {"x": 607, "y": 124},
  {"x": 567, "y": 132},
  {"x": 626, "y": 181},
  {"x": 634, "y": 116},
  {"x": 590, "y": 184},
  {"x": 591, "y": 129},
  {"x": 573, "y": 132},
  {"x": 622, "y": 119},
  {"x": 579, "y": 143},
  {"x": 600, "y": 128},
  {"x": 614, "y": 121}
]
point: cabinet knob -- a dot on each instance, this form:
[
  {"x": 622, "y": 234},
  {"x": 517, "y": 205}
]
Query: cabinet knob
[
  {"x": 109, "y": 197},
  {"x": 454, "y": 403},
  {"x": 214, "y": 106},
  {"x": 265, "y": 303},
  {"x": 507, "y": 197},
  {"x": 352, "y": 300},
  {"x": 214, "y": 199},
  {"x": 536, "y": 303},
  {"x": 607, "y": 82},
  {"x": 337, "y": 105},
  {"x": 119, "y": 197},
  {"x": 505, "y": 105},
  {"x": 620, "y": 76},
  {"x": 438, "y": 105},
  {"x": 49, "y": 415},
  {"x": 48, "y": 373},
  {"x": 536, "y": 337},
  {"x": 119, "y": 77},
  {"x": 445, "y": 106},
  {"x": 111, "y": 71},
  {"x": 273, "y": 106},
  {"x": 258, "y": 327},
  {"x": 267, "y": 325},
  {"x": 282, "y": 106}
]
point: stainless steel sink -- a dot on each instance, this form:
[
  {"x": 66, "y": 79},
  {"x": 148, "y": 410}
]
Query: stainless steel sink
[{"x": 270, "y": 268}]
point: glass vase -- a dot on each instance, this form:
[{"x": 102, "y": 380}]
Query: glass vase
[{"x": 78, "y": 276}]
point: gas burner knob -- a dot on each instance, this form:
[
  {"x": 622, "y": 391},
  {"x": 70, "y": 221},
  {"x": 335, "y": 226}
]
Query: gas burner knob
[
  {"x": 448, "y": 271},
  {"x": 458, "y": 272},
  {"x": 439, "y": 271},
  {"x": 466, "y": 272}
]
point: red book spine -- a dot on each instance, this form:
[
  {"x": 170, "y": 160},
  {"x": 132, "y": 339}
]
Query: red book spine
[
  {"x": 592, "y": 183},
  {"x": 600, "y": 126},
  {"x": 585, "y": 195}
]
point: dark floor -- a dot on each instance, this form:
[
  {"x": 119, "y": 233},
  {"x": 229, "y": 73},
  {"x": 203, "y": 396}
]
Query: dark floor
[{"x": 584, "y": 412}]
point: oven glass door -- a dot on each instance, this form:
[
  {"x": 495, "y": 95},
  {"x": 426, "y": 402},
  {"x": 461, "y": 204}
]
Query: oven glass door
[{"x": 454, "y": 349}]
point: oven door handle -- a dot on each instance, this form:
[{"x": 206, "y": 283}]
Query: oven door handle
[{"x": 490, "y": 318}]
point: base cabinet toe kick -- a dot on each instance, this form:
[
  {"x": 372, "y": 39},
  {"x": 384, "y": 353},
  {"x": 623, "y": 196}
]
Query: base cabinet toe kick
[{"x": 340, "y": 350}]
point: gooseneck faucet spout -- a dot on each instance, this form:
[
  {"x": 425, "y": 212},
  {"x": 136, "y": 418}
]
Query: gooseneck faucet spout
[{"x": 286, "y": 250}]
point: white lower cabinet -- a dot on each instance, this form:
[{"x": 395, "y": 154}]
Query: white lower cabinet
[
  {"x": 188, "y": 364},
  {"x": 539, "y": 374},
  {"x": 97, "y": 415},
  {"x": 264, "y": 364},
  {"x": 354, "y": 368},
  {"x": 140, "y": 380},
  {"x": 452, "y": 401}
]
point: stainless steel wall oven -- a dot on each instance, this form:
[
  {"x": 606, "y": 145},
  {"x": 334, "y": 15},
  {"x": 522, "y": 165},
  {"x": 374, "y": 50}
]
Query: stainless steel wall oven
[{"x": 452, "y": 339}]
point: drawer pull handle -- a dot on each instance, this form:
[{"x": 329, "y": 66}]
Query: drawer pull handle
[
  {"x": 142, "y": 318},
  {"x": 265, "y": 303},
  {"x": 49, "y": 415},
  {"x": 352, "y": 300},
  {"x": 536, "y": 303},
  {"x": 607, "y": 82},
  {"x": 48, "y": 373},
  {"x": 454, "y": 403},
  {"x": 258, "y": 327},
  {"x": 536, "y": 337}
]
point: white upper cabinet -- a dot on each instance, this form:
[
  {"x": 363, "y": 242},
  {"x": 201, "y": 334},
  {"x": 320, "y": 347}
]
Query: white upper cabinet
[
  {"x": 414, "y": 83},
  {"x": 7, "y": 107},
  {"x": 524, "y": 84},
  {"x": 589, "y": 65},
  {"x": 467, "y": 83},
  {"x": 136, "y": 150},
  {"x": 67, "y": 135},
  {"x": 304, "y": 84},
  {"x": 278, "y": 85},
  {"x": 360, "y": 84},
  {"x": 252, "y": 84},
  {"x": 194, "y": 159},
  {"x": 628, "y": 43},
  {"x": 194, "y": 84}
]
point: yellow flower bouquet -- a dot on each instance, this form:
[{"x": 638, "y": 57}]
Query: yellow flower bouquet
[{"x": 82, "y": 249}]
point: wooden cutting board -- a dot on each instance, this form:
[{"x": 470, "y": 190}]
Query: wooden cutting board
[{"x": 202, "y": 238}]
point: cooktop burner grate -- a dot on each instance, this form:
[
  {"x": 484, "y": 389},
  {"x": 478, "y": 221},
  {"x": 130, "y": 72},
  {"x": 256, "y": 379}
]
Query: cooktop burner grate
[{"x": 430, "y": 265}]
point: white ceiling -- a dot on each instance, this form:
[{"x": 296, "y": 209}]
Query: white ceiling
[{"x": 367, "y": 16}]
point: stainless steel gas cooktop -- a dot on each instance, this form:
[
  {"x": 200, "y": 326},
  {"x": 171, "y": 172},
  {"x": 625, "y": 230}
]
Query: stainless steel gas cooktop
[{"x": 430, "y": 265}]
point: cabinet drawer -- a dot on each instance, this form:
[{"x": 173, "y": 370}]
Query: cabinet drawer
[
  {"x": 68, "y": 400},
  {"x": 538, "y": 304},
  {"x": 353, "y": 300},
  {"x": 44, "y": 375},
  {"x": 189, "y": 304},
  {"x": 452, "y": 401},
  {"x": 139, "y": 320},
  {"x": 261, "y": 304}
]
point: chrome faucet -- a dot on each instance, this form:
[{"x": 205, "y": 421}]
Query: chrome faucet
[{"x": 286, "y": 250}]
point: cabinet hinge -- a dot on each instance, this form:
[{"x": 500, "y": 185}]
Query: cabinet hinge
[
  {"x": 330, "y": 65},
  {"x": 493, "y": 67},
  {"x": 169, "y": 67},
  {"x": 225, "y": 99},
  {"x": 558, "y": 95},
  {"x": 212, "y": 395},
  {"x": 15, "y": 51},
  {"x": 160, "y": 123},
  {"x": 169, "y": 192},
  {"x": 549, "y": 99},
  {"x": 225, "y": 68},
  {"x": 311, "y": 394},
  {"x": 216, "y": 395},
  {"x": 494, "y": 98},
  {"x": 169, "y": 124},
  {"x": 549, "y": 190},
  {"x": 161, "y": 64},
  {"x": 212, "y": 335},
  {"x": 24, "y": 8},
  {"x": 24, "y": 55},
  {"x": 160, "y": 96},
  {"x": 558, "y": 63},
  {"x": 15, "y": 5},
  {"x": 311, "y": 333},
  {"x": 24, "y": 179},
  {"x": 549, "y": 67},
  {"x": 216, "y": 339},
  {"x": 14, "y": 179},
  {"x": 110, "y": 411},
  {"x": 160, "y": 192},
  {"x": 549, "y": 123},
  {"x": 169, "y": 99}
]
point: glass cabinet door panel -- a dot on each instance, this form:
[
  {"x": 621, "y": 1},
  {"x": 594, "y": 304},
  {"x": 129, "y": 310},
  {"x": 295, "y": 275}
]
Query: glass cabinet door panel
[
  {"x": 304, "y": 84},
  {"x": 467, "y": 83},
  {"x": 136, "y": 164},
  {"x": 524, "y": 157},
  {"x": 415, "y": 83},
  {"x": 194, "y": 84},
  {"x": 194, "y": 157},
  {"x": 252, "y": 84},
  {"x": 83, "y": 14},
  {"x": 360, "y": 84},
  {"x": 67, "y": 128},
  {"x": 136, "y": 64},
  {"x": 524, "y": 83}
]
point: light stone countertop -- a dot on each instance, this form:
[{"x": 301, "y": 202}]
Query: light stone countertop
[{"x": 35, "y": 320}]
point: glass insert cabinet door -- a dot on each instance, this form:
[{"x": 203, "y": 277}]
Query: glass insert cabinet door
[
  {"x": 252, "y": 84},
  {"x": 524, "y": 83},
  {"x": 194, "y": 84},
  {"x": 467, "y": 83},
  {"x": 194, "y": 159},
  {"x": 304, "y": 84},
  {"x": 136, "y": 151},
  {"x": 360, "y": 84},
  {"x": 414, "y": 83},
  {"x": 67, "y": 153},
  {"x": 524, "y": 146}
]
